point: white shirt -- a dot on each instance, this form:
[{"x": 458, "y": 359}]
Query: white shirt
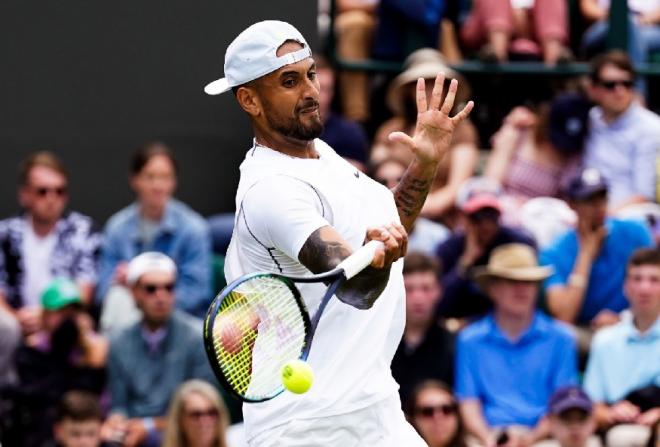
[
  {"x": 37, "y": 253},
  {"x": 280, "y": 201}
]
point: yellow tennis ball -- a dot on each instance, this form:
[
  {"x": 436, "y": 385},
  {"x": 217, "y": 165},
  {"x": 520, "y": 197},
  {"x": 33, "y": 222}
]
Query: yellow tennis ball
[{"x": 297, "y": 376}]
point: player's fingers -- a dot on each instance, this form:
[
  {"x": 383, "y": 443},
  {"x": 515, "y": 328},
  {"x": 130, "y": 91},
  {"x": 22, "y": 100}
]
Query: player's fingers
[
  {"x": 404, "y": 245},
  {"x": 399, "y": 234},
  {"x": 460, "y": 116},
  {"x": 401, "y": 138},
  {"x": 421, "y": 95},
  {"x": 436, "y": 96},
  {"x": 448, "y": 104}
]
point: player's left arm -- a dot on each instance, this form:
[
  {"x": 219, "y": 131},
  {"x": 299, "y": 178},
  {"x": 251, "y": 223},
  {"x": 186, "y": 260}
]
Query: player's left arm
[
  {"x": 429, "y": 144},
  {"x": 324, "y": 249}
]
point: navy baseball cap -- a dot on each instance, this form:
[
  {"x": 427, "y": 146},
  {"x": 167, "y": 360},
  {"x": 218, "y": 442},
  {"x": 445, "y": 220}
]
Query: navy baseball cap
[
  {"x": 568, "y": 122},
  {"x": 585, "y": 184},
  {"x": 569, "y": 398}
]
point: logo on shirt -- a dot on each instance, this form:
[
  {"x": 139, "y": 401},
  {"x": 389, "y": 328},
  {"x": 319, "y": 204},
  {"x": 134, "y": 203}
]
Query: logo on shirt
[{"x": 357, "y": 174}]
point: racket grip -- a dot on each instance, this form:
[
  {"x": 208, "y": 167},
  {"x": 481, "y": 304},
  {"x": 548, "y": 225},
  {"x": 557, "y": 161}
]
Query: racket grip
[{"x": 359, "y": 260}]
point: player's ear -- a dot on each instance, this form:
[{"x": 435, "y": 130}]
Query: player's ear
[{"x": 248, "y": 99}]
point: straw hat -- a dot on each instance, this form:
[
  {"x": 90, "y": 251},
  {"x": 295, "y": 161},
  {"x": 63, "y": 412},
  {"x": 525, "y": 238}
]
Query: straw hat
[
  {"x": 424, "y": 63},
  {"x": 512, "y": 261}
]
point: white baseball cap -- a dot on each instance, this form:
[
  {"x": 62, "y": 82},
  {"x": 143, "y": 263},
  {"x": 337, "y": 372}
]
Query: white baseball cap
[
  {"x": 148, "y": 262},
  {"x": 252, "y": 54}
]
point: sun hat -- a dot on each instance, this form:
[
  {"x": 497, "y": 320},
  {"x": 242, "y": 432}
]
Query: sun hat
[
  {"x": 148, "y": 262},
  {"x": 514, "y": 261},
  {"x": 253, "y": 54},
  {"x": 424, "y": 63},
  {"x": 59, "y": 293},
  {"x": 477, "y": 193}
]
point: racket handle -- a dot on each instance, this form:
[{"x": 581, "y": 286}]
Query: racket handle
[{"x": 359, "y": 260}]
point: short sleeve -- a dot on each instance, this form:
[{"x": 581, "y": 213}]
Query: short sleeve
[
  {"x": 464, "y": 372},
  {"x": 282, "y": 212},
  {"x": 594, "y": 384},
  {"x": 552, "y": 256}
]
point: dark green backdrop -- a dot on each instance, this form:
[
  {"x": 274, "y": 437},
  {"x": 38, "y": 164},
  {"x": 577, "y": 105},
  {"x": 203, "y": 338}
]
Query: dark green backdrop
[{"x": 91, "y": 80}]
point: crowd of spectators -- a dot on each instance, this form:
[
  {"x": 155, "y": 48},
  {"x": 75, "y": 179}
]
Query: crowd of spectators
[{"x": 532, "y": 279}]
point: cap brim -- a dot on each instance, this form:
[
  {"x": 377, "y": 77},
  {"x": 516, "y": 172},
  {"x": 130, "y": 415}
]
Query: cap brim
[
  {"x": 481, "y": 202},
  {"x": 216, "y": 87}
]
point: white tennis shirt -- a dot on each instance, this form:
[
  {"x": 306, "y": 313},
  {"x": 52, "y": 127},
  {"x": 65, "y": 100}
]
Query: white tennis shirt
[{"x": 281, "y": 201}]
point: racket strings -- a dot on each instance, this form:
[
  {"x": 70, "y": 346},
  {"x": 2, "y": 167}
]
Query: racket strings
[{"x": 258, "y": 328}]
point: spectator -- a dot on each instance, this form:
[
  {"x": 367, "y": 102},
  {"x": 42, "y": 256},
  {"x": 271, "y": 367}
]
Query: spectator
[
  {"x": 10, "y": 338},
  {"x": 479, "y": 205},
  {"x": 346, "y": 137},
  {"x": 527, "y": 27},
  {"x": 155, "y": 222},
  {"x": 433, "y": 411},
  {"x": 623, "y": 136},
  {"x": 509, "y": 363},
  {"x": 165, "y": 348},
  {"x": 406, "y": 25},
  {"x": 427, "y": 348},
  {"x": 623, "y": 373},
  {"x": 197, "y": 417},
  {"x": 462, "y": 161},
  {"x": 44, "y": 241},
  {"x": 355, "y": 24},
  {"x": 78, "y": 421},
  {"x": 643, "y": 30},
  {"x": 571, "y": 419},
  {"x": 533, "y": 153},
  {"x": 426, "y": 235},
  {"x": 586, "y": 286},
  {"x": 65, "y": 354}
]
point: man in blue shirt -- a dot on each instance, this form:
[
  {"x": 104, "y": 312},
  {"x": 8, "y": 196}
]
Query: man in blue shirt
[
  {"x": 510, "y": 362},
  {"x": 623, "y": 373},
  {"x": 586, "y": 287}
]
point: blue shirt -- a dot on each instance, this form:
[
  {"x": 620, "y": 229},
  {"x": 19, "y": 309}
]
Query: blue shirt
[
  {"x": 514, "y": 380},
  {"x": 605, "y": 288},
  {"x": 182, "y": 234},
  {"x": 624, "y": 151},
  {"x": 622, "y": 360}
]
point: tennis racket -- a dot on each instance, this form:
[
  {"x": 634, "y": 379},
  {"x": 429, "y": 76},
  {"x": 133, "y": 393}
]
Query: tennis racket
[{"x": 259, "y": 322}]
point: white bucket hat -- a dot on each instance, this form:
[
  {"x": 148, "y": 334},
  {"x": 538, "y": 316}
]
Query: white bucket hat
[{"x": 253, "y": 54}]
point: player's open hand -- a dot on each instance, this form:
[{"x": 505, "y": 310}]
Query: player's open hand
[
  {"x": 395, "y": 240},
  {"x": 435, "y": 128}
]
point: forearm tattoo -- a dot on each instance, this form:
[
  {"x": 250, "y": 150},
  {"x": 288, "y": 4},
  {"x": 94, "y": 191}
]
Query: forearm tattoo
[
  {"x": 409, "y": 196},
  {"x": 322, "y": 253}
]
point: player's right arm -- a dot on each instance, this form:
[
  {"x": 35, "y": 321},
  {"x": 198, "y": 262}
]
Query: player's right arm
[
  {"x": 284, "y": 214},
  {"x": 325, "y": 249}
]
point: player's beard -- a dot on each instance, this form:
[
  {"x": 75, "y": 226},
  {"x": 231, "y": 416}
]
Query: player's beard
[{"x": 294, "y": 127}]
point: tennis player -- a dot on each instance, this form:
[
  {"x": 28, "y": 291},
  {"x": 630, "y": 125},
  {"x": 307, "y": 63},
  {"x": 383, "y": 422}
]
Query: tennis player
[{"x": 301, "y": 208}]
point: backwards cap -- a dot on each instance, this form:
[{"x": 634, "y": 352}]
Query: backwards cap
[{"x": 253, "y": 54}]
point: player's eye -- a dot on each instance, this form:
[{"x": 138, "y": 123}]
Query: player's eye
[
  {"x": 311, "y": 75},
  {"x": 290, "y": 82}
]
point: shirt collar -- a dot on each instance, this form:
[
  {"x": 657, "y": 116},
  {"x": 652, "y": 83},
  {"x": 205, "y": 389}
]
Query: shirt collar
[
  {"x": 153, "y": 339},
  {"x": 633, "y": 334},
  {"x": 168, "y": 224},
  {"x": 537, "y": 328},
  {"x": 597, "y": 113}
]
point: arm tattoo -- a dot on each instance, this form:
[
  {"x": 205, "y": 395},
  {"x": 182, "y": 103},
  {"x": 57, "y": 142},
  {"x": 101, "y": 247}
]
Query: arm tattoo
[
  {"x": 323, "y": 252},
  {"x": 409, "y": 196}
]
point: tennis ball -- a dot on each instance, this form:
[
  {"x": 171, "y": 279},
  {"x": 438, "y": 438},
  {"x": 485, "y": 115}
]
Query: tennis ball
[{"x": 297, "y": 376}]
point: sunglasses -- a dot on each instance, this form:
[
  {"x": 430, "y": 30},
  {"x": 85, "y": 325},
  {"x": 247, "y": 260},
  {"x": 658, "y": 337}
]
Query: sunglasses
[
  {"x": 198, "y": 414},
  {"x": 611, "y": 85},
  {"x": 428, "y": 411},
  {"x": 44, "y": 191},
  {"x": 153, "y": 288},
  {"x": 484, "y": 214}
]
